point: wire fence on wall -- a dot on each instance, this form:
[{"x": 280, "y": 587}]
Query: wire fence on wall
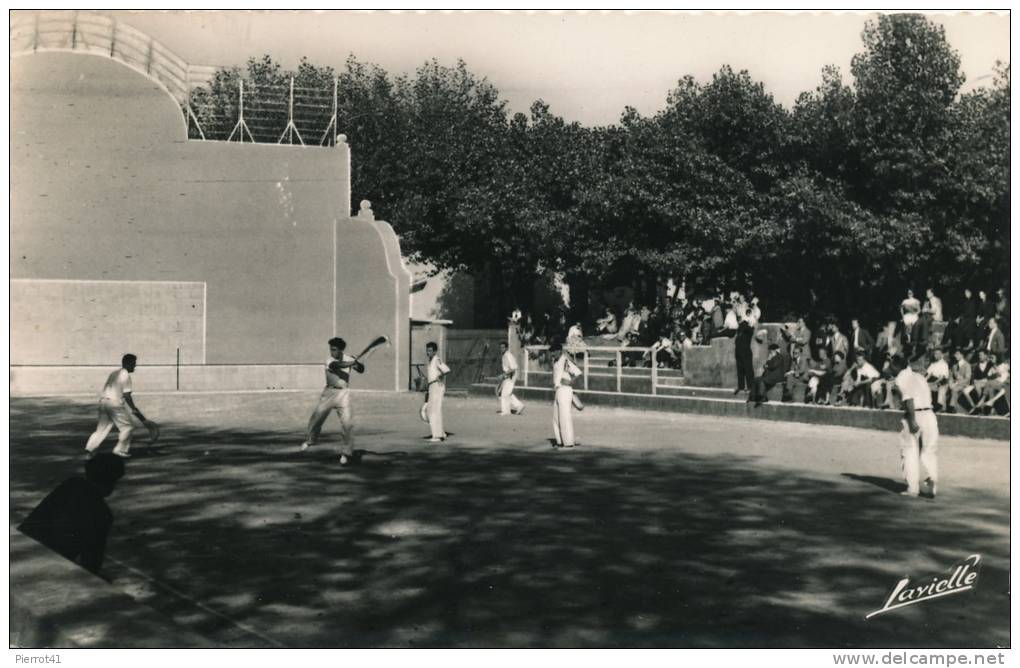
[{"x": 215, "y": 106}]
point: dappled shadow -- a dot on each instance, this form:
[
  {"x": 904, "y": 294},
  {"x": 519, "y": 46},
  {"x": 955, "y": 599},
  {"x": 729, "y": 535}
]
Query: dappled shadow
[{"x": 446, "y": 545}]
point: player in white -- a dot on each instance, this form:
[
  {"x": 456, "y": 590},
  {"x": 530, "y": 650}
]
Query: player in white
[
  {"x": 919, "y": 438},
  {"x": 115, "y": 408},
  {"x": 564, "y": 373},
  {"x": 508, "y": 403},
  {"x": 435, "y": 374},
  {"x": 336, "y": 396}
]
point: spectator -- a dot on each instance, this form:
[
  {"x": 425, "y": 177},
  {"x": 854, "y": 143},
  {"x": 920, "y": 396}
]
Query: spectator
[
  {"x": 995, "y": 386},
  {"x": 909, "y": 309},
  {"x": 860, "y": 339},
  {"x": 938, "y": 378},
  {"x": 74, "y": 520},
  {"x": 1002, "y": 310},
  {"x": 932, "y": 305},
  {"x": 836, "y": 378},
  {"x": 742, "y": 352},
  {"x": 755, "y": 316},
  {"x": 986, "y": 308},
  {"x": 797, "y": 374},
  {"x": 969, "y": 318},
  {"x": 821, "y": 340},
  {"x": 606, "y": 325},
  {"x": 575, "y": 336},
  {"x": 718, "y": 320},
  {"x": 959, "y": 381},
  {"x": 995, "y": 343},
  {"x": 629, "y": 324},
  {"x": 819, "y": 371},
  {"x": 887, "y": 344},
  {"x": 772, "y": 373},
  {"x": 801, "y": 335},
  {"x": 979, "y": 373},
  {"x": 864, "y": 376},
  {"x": 838, "y": 343}
]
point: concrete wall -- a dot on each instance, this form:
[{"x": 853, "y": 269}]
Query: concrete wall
[
  {"x": 104, "y": 186},
  {"x": 94, "y": 322}
]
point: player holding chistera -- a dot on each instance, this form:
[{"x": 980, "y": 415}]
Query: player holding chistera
[
  {"x": 435, "y": 374},
  {"x": 508, "y": 403},
  {"x": 116, "y": 408},
  {"x": 564, "y": 373},
  {"x": 919, "y": 438},
  {"x": 336, "y": 396}
]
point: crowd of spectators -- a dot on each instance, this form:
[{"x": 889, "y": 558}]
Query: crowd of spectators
[{"x": 965, "y": 358}]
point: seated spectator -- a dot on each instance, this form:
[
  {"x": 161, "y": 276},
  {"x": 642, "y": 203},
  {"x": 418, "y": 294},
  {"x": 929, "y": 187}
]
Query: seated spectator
[
  {"x": 575, "y": 337},
  {"x": 797, "y": 374},
  {"x": 959, "y": 380},
  {"x": 981, "y": 371},
  {"x": 996, "y": 385},
  {"x": 838, "y": 343},
  {"x": 864, "y": 376},
  {"x": 859, "y": 339},
  {"x": 629, "y": 325},
  {"x": 801, "y": 335},
  {"x": 834, "y": 382},
  {"x": 606, "y": 325},
  {"x": 819, "y": 371},
  {"x": 773, "y": 372},
  {"x": 938, "y": 378},
  {"x": 886, "y": 345},
  {"x": 74, "y": 520}
]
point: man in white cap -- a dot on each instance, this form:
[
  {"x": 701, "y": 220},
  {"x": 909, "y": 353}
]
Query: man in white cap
[{"x": 508, "y": 403}]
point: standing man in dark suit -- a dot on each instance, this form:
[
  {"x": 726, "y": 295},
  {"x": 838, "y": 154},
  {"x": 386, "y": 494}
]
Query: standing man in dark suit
[
  {"x": 745, "y": 358},
  {"x": 859, "y": 338}
]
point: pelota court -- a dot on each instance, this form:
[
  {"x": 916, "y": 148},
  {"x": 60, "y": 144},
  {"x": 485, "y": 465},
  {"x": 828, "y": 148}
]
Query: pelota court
[{"x": 662, "y": 530}]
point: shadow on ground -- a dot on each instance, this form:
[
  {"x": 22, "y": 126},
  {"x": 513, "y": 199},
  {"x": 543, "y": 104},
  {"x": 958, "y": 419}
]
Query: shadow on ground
[{"x": 425, "y": 545}]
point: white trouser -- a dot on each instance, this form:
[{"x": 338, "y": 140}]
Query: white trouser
[
  {"x": 920, "y": 448},
  {"x": 437, "y": 391},
  {"x": 111, "y": 414},
  {"x": 507, "y": 401},
  {"x": 563, "y": 420},
  {"x": 339, "y": 400}
]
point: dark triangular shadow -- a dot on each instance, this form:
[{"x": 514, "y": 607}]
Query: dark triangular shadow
[{"x": 894, "y": 486}]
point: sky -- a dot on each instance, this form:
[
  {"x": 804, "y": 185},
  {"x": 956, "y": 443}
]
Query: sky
[{"x": 586, "y": 65}]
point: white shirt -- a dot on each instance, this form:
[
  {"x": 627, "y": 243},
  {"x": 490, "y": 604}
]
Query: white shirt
[
  {"x": 867, "y": 371},
  {"x": 509, "y": 363},
  {"x": 913, "y": 386},
  {"x": 731, "y": 320},
  {"x": 564, "y": 368},
  {"x": 935, "y": 304},
  {"x": 436, "y": 369},
  {"x": 910, "y": 305},
  {"x": 938, "y": 369},
  {"x": 342, "y": 379},
  {"x": 117, "y": 385},
  {"x": 574, "y": 334}
]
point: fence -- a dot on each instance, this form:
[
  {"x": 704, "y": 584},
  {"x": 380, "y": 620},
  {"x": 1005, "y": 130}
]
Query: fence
[
  {"x": 639, "y": 380},
  {"x": 214, "y": 106}
]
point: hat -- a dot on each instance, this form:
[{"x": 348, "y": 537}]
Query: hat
[{"x": 773, "y": 346}]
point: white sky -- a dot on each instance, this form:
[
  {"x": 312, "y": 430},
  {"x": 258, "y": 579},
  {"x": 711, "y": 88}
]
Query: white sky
[{"x": 586, "y": 65}]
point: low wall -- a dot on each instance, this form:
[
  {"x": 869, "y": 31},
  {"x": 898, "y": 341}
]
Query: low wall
[
  {"x": 845, "y": 416},
  {"x": 48, "y": 380},
  {"x": 55, "y": 603},
  {"x": 715, "y": 365}
]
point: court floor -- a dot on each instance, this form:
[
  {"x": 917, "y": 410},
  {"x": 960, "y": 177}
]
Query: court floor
[{"x": 661, "y": 530}]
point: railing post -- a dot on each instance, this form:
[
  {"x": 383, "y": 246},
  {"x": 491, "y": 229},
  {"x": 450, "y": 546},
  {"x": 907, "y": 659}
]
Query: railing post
[
  {"x": 619, "y": 370},
  {"x": 587, "y": 354},
  {"x": 655, "y": 370},
  {"x": 526, "y": 358}
]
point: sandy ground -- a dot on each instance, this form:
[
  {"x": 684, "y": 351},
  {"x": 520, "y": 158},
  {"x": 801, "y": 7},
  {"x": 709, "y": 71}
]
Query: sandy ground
[{"x": 662, "y": 530}]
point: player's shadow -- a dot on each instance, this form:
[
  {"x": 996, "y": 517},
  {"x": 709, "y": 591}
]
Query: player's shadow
[
  {"x": 516, "y": 547},
  {"x": 887, "y": 484}
]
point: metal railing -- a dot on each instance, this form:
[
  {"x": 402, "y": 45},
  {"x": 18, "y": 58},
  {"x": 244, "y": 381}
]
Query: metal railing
[
  {"x": 275, "y": 114},
  {"x": 585, "y": 351}
]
